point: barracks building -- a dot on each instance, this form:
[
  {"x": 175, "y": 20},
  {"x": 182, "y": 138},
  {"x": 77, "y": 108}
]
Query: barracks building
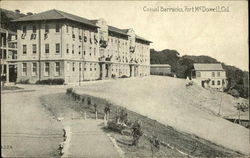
[{"x": 55, "y": 44}]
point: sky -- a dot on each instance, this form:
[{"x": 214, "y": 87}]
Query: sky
[{"x": 222, "y": 35}]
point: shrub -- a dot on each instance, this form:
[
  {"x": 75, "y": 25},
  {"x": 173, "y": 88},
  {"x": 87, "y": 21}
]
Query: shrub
[
  {"x": 22, "y": 81},
  {"x": 234, "y": 93},
  {"x": 124, "y": 76},
  {"x": 69, "y": 90},
  {"x": 89, "y": 101},
  {"x": 58, "y": 81}
]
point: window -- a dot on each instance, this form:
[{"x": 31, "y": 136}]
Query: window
[
  {"x": 57, "y": 48},
  {"x": 212, "y": 82},
  {"x": 24, "y": 70},
  {"x": 46, "y": 48},
  {"x": 73, "y": 49},
  {"x": 84, "y": 51},
  {"x": 24, "y": 49},
  {"x": 46, "y": 69},
  {"x": 34, "y": 69},
  {"x": 218, "y": 82},
  {"x": 67, "y": 48},
  {"x": 57, "y": 28},
  {"x": 57, "y": 66},
  {"x": 90, "y": 67},
  {"x": 24, "y": 29},
  {"x": 198, "y": 74},
  {"x": 218, "y": 74},
  {"x": 73, "y": 66},
  {"x": 34, "y": 28},
  {"x": 79, "y": 49},
  {"x": 46, "y": 28},
  {"x": 213, "y": 74},
  {"x": 80, "y": 66},
  {"x": 34, "y": 48}
]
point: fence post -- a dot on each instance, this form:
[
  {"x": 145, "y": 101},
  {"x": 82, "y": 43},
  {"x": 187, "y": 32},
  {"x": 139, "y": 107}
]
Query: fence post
[{"x": 85, "y": 115}]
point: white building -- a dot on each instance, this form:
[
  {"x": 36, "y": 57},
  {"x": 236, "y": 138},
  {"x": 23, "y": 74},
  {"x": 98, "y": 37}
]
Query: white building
[
  {"x": 58, "y": 45},
  {"x": 209, "y": 75}
]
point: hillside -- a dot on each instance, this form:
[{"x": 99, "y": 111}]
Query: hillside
[
  {"x": 192, "y": 110},
  {"x": 182, "y": 66}
]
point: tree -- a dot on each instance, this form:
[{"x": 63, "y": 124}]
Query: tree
[
  {"x": 184, "y": 67},
  {"x": 136, "y": 132}
]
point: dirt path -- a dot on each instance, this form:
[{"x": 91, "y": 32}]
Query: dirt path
[
  {"x": 30, "y": 130},
  {"x": 27, "y": 129},
  {"x": 87, "y": 139}
]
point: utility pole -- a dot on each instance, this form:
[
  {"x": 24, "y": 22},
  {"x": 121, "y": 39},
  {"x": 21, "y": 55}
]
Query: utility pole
[{"x": 220, "y": 106}]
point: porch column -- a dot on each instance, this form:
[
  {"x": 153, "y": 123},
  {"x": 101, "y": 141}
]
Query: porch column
[
  {"x": 7, "y": 73},
  {"x": 132, "y": 71},
  {"x": 109, "y": 71},
  {"x": 135, "y": 70},
  {"x": 103, "y": 71}
]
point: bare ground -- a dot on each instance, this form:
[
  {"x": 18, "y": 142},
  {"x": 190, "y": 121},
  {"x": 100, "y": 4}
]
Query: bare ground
[{"x": 26, "y": 128}]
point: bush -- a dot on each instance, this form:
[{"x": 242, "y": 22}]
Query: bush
[
  {"x": 69, "y": 90},
  {"x": 124, "y": 76},
  {"x": 58, "y": 81},
  {"x": 89, "y": 101},
  {"x": 22, "y": 81},
  {"x": 234, "y": 93}
]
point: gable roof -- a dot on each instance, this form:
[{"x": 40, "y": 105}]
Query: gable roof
[
  {"x": 141, "y": 38},
  {"x": 208, "y": 66},
  {"x": 2, "y": 30},
  {"x": 117, "y": 30},
  {"x": 55, "y": 15}
]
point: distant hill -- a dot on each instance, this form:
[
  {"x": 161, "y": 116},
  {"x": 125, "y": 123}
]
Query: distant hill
[
  {"x": 182, "y": 66},
  {"x": 201, "y": 59},
  {"x": 7, "y": 16}
]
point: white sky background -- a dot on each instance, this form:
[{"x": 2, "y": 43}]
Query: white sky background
[{"x": 223, "y": 36}]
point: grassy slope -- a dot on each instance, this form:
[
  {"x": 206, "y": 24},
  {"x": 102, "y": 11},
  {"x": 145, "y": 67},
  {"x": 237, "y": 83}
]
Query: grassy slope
[
  {"x": 61, "y": 105},
  {"x": 168, "y": 101}
]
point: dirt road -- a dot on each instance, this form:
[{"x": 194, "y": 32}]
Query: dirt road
[
  {"x": 29, "y": 129},
  {"x": 87, "y": 139}
]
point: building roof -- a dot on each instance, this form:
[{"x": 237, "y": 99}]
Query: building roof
[
  {"x": 117, "y": 30},
  {"x": 2, "y": 30},
  {"x": 208, "y": 66},
  {"x": 55, "y": 15},
  {"x": 160, "y": 65},
  {"x": 141, "y": 38}
]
